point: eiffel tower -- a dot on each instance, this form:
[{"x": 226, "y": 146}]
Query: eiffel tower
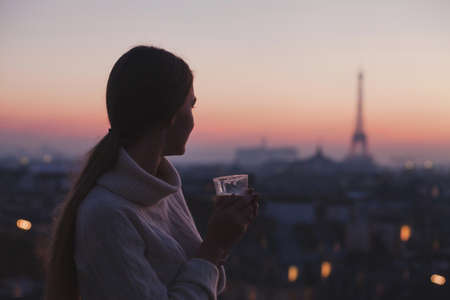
[{"x": 359, "y": 147}]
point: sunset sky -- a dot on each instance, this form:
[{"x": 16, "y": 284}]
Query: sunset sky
[{"x": 285, "y": 70}]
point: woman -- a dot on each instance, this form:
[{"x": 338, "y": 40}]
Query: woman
[{"x": 125, "y": 231}]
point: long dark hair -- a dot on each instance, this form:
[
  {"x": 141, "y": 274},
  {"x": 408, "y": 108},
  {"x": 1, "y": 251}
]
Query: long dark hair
[{"x": 146, "y": 86}]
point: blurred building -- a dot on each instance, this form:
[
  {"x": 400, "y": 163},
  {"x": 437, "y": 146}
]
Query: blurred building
[{"x": 255, "y": 156}]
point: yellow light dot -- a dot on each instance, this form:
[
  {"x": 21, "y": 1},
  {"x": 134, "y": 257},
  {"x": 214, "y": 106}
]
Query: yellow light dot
[
  {"x": 409, "y": 165},
  {"x": 23, "y": 224},
  {"x": 438, "y": 279},
  {"x": 360, "y": 277},
  {"x": 292, "y": 273},
  {"x": 252, "y": 294},
  {"x": 428, "y": 164},
  {"x": 47, "y": 158},
  {"x": 17, "y": 291},
  {"x": 325, "y": 269},
  {"x": 406, "y": 275},
  {"x": 435, "y": 191},
  {"x": 264, "y": 243},
  {"x": 436, "y": 245},
  {"x": 405, "y": 233},
  {"x": 24, "y": 160},
  {"x": 337, "y": 247}
]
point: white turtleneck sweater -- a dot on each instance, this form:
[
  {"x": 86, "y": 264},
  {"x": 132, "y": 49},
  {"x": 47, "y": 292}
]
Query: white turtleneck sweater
[{"x": 135, "y": 239}]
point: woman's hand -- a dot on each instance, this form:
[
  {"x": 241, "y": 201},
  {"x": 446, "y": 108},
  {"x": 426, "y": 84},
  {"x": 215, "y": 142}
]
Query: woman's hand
[{"x": 227, "y": 224}]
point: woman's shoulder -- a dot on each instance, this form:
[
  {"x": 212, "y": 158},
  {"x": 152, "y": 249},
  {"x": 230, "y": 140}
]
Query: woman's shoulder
[
  {"x": 103, "y": 218},
  {"x": 101, "y": 204}
]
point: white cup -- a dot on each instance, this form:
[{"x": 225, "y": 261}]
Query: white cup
[{"x": 232, "y": 184}]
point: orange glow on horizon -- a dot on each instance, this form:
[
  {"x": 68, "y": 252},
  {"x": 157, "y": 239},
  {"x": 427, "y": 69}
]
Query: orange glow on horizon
[
  {"x": 289, "y": 120},
  {"x": 94, "y": 125},
  {"x": 280, "y": 124}
]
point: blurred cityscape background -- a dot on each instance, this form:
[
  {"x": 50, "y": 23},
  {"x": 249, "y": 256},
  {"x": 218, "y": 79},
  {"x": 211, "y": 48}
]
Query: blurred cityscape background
[
  {"x": 347, "y": 229},
  {"x": 337, "y": 110}
]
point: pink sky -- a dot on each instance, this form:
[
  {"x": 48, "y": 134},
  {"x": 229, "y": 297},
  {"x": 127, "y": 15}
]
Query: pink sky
[{"x": 285, "y": 71}]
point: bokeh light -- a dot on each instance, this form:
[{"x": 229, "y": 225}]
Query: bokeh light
[
  {"x": 325, "y": 269},
  {"x": 292, "y": 273},
  {"x": 23, "y": 224},
  {"x": 438, "y": 279},
  {"x": 405, "y": 233}
]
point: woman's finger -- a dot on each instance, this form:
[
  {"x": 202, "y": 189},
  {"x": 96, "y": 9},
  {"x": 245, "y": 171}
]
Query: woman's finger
[
  {"x": 256, "y": 196},
  {"x": 244, "y": 219},
  {"x": 255, "y": 211},
  {"x": 251, "y": 217},
  {"x": 247, "y": 213},
  {"x": 255, "y": 206},
  {"x": 245, "y": 201},
  {"x": 238, "y": 203}
]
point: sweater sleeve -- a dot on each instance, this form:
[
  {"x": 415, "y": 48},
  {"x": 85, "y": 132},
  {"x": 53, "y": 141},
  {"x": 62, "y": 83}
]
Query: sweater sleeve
[
  {"x": 114, "y": 261},
  {"x": 222, "y": 275},
  {"x": 222, "y": 280}
]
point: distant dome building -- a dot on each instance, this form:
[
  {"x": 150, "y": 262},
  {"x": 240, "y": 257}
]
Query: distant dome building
[
  {"x": 318, "y": 163},
  {"x": 254, "y": 156}
]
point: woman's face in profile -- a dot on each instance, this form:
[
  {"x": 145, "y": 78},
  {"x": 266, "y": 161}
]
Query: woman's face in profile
[{"x": 182, "y": 125}]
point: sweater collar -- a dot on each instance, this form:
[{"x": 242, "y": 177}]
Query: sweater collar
[{"x": 130, "y": 181}]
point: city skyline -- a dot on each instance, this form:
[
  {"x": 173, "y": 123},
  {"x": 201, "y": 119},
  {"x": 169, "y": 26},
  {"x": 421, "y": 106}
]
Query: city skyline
[{"x": 285, "y": 72}]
